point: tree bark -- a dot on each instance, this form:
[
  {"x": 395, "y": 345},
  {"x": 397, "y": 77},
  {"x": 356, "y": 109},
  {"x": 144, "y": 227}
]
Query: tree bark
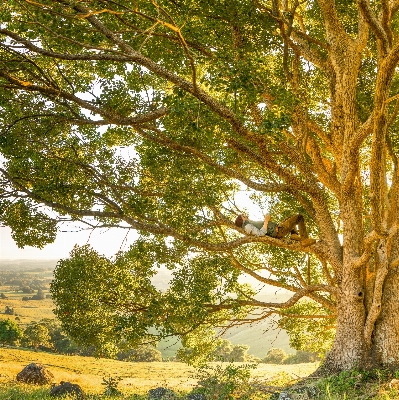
[{"x": 385, "y": 341}]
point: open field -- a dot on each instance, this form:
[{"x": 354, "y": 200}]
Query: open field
[
  {"x": 26, "y": 311},
  {"x": 136, "y": 377}
]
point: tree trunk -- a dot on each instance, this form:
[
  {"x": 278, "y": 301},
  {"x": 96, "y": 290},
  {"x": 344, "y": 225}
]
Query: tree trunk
[
  {"x": 349, "y": 349},
  {"x": 385, "y": 343}
]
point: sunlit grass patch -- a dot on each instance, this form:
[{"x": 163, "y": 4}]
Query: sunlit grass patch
[{"x": 136, "y": 377}]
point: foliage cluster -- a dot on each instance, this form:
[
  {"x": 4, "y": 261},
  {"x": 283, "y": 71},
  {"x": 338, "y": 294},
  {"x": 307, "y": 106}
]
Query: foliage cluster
[
  {"x": 213, "y": 350},
  {"x": 10, "y": 332},
  {"x": 38, "y": 296},
  {"x": 145, "y": 352},
  {"x": 110, "y": 385},
  {"x": 228, "y": 382},
  {"x": 278, "y": 356}
]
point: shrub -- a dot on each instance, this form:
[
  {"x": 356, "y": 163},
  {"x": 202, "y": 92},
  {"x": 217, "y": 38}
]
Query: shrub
[
  {"x": 27, "y": 289},
  {"x": 144, "y": 353},
  {"x": 111, "y": 386},
  {"x": 9, "y": 311},
  {"x": 275, "y": 356},
  {"x": 226, "y": 382},
  {"x": 36, "y": 335},
  {"x": 39, "y": 295},
  {"x": 10, "y": 332},
  {"x": 301, "y": 357}
]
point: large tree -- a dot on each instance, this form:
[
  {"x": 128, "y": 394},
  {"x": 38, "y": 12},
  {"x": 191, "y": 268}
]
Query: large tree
[{"x": 153, "y": 115}]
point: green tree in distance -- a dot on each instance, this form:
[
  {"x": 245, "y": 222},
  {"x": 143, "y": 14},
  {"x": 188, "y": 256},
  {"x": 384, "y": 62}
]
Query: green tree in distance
[
  {"x": 37, "y": 334},
  {"x": 155, "y": 115},
  {"x": 10, "y": 332},
  {"x": 275, "y": 356},
  {"x": 39, "y": 295},
  {"x": 145, "y": 353}
]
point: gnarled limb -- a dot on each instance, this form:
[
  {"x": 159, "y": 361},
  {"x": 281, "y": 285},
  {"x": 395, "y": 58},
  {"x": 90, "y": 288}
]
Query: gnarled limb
[
  {"x": 375, "y": 24},
  {"x": 375, "y": 309}
]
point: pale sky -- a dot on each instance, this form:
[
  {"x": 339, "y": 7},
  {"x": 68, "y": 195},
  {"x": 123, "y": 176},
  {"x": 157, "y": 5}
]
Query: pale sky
[{"x": 106, "y": 242}]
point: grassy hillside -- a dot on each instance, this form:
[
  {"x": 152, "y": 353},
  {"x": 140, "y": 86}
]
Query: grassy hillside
[{"x": 136, "y": 377}]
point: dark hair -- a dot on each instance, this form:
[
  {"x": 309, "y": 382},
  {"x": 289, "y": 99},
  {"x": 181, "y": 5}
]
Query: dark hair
[{"x": 239, "y": 221}]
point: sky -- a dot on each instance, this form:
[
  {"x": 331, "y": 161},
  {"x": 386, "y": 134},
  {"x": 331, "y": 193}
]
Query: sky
[{"x": 106, "y": 242}]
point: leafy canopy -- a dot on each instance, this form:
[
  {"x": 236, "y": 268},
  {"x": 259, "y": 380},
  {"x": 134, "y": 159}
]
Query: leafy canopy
[{"x": 161, "y": 116}]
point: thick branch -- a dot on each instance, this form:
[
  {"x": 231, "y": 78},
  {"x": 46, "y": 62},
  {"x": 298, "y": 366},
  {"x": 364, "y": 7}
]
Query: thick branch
[
  {"x": 375, "y": 309},
  {"x": 368, "y": 242},
  {"x": 333, "y": 25},
  {"x": 289, "y": 303},
  {"x": 302, "y": 40},
  {"x": 386, "y": 17},
  {"x": 375, "y": 25},
  {"x": 150, "y": 227}
]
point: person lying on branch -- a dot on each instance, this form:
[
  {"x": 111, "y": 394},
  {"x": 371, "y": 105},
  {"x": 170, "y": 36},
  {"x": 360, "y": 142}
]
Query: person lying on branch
[{"x": 278, "y": 231}]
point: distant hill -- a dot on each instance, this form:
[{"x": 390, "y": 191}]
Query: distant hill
[{"x": 27, "y": 265}]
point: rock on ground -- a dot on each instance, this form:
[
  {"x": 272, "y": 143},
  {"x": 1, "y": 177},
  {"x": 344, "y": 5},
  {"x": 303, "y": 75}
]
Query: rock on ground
[
  {"x": 297, "y": 393},
  {"x": 69, "y": 388},
  {"x": 161, "y": 393},
  {"x": 36, "y": 374},
  {"x": 196, "y": 396}
]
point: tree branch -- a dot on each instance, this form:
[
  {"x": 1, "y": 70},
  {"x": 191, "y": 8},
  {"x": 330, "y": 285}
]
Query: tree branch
[
  {"x": 333, "y": 24},
  {"x": 291, "y": 288},
  {"x": 386, "y": 16},
  {"x": 54, "y": 93},
  {"x": 375, "y": 25},
  {"x": 298, "y": 295},
  {"x": 375, "y": 309},
  {"x": 114, "y": 56},
  {"x": 368, "y": 242}
]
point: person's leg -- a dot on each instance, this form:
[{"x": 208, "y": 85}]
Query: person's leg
[
  {"x": 302, "y": 228},
  {"x": 288, "y": 226}
]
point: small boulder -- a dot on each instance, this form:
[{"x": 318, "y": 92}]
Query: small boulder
[
  {"x": 67, "y": 388},
  {"x": 161, "y": 393},
  {"x": 36, "y": 374},
  {"x": 297, "y": 393}
]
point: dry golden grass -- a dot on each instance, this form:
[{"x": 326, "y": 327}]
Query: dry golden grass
[
  {"x": 89, "y": 371},
  {"x": 136, "y": 377},
  {"x": 27, "y": 311}
]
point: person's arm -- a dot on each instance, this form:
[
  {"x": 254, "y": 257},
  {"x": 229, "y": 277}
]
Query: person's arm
[{"x": 266, "y": 221}]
